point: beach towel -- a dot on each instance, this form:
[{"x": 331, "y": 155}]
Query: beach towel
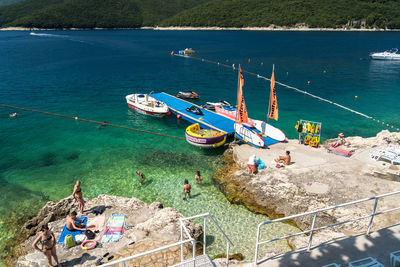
[
  {"x": 96, "y": 224},
  {"x": 114, "y": 229},
  {"x": 342, "y": 152},
  {"x": 66, "y": 232}
]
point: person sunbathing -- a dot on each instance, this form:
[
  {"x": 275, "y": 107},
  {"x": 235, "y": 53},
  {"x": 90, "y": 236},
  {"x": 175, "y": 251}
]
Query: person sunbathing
[
  {"x": 340, "y": 141},
  {"x": 285, "y": 160},
  {"x": 74, "y": 224}
]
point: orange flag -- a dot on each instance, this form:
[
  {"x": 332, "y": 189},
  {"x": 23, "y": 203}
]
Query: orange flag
[
  {"x": 273, "y": 102},
  {"x": 241, "y": 114}
]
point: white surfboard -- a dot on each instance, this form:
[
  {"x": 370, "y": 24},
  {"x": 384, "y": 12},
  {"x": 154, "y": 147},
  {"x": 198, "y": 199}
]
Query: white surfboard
[
  {"x": 269, "y": 130},
  {"x": 248, "y": 135}
]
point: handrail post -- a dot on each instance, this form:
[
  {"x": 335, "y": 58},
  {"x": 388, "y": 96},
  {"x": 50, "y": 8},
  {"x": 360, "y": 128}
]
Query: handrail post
[
  {"x": 194, "y": 252},
  {"x": 204, "y": 235},
  {"x": 181, "y": 241},
  {"x": 312, "y": 231},
  {"x": 227, "y": 253},
  {"x": 257, "y": 240},
  {"x": 372, "y": 215}
]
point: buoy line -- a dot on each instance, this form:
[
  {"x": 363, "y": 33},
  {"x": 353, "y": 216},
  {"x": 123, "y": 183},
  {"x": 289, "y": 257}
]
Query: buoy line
[
  {"x": 91, "y": 121},
  {"x": 292, "y": 88}
]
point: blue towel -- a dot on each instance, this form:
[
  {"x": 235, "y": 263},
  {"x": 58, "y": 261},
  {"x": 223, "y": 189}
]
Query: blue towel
[{"x": 66, "y": 232}]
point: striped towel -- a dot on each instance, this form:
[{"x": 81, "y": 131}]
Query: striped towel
[{"x": 114, "y": 229}]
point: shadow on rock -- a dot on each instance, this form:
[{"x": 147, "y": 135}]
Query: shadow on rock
[{"x": 78, "y": 261}]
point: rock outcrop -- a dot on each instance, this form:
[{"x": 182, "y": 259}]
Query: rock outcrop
[
  {"x": 316, "y": 179},
  {"x": 147, "y": 227}
]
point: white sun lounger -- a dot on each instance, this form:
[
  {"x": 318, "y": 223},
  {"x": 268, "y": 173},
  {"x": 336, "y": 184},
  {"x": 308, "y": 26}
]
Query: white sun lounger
[{"x": 386, "y": 154}]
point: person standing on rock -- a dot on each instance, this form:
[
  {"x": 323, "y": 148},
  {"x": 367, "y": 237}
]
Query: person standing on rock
[
  {"x": 48, "y": 241},
  {"x": 186, "y": 189},
  {"x": 77, "y": 194}
]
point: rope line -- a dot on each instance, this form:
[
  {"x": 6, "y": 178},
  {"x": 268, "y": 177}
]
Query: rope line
[
  {"x": 292, "y": 88},
  {"x": 92, "y": 121}
]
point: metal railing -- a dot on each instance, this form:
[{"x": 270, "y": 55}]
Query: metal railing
[
  {"x": 182, "y": 242},
  {"x": 314, "y": 213},
  {"x": 205, "y": 215},
  {"x": 124, "y": 260}
]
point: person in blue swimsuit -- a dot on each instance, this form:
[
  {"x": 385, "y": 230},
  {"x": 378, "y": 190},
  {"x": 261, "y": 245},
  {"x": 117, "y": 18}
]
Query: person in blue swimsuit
[{"x": 340, "y": 141}]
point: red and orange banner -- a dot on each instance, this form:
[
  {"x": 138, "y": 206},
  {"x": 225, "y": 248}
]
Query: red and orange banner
[
  {"x": 273, "y": 102},
  {"x": 241, "y": 115}
]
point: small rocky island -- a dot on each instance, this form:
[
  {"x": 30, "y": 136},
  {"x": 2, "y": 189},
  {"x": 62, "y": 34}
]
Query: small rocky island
[{"x": 146, "y": 227}]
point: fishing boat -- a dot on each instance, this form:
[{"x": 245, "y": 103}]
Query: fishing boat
[
  {"x": 145, "y": 104},
  {"x": 186, "y": 52},
  {"x": 387, "y": 55},
  {"x": 205, "y": 138},
  {"x": 188, "y": 95}
]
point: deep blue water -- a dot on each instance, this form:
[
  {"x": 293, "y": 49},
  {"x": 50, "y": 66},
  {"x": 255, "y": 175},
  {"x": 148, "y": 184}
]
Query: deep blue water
[{"x": 88, "y": 73}]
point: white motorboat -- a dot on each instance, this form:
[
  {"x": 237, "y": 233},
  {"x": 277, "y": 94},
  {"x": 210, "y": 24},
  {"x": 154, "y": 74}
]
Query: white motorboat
[
  {"x": 145, "y": 104},
  {"x": 387, "y": 55}
]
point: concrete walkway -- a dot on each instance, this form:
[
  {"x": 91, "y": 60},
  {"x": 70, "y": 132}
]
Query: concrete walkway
[{"x": 378, "y": 245}]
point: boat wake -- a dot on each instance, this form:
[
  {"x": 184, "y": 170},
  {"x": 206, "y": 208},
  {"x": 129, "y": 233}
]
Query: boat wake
[{"x": 49, "y": 35}]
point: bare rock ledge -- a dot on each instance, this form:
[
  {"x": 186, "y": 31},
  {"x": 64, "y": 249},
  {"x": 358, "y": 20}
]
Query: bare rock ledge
[
  {"x": 316, "y": 179},
  {"x": 149, "y": 227}
]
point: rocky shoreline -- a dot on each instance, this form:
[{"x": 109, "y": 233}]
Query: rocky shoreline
[
  {"x": 316, "y": 180},
  {"x": 147, "y": 227},
  {"x": 180, "y": 28}
]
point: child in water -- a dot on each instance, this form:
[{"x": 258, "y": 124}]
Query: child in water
[
  {"x": 198, "y": 177},
  {"x": 186, "y": 189}
]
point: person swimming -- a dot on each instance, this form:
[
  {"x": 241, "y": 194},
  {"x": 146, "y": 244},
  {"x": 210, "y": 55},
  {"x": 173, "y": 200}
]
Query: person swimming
[
  {"x": 186, "y": 189},
  {"x": 141, "y": 176},
  {"x": 103, "y": 125},
  {"x": 198, "y": 177}
]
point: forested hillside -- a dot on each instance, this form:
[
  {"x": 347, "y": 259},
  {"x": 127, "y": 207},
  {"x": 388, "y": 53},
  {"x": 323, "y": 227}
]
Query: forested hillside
[
  {"x": 312, "y": 13},
  {"x": 201, "y": 13},
  {"x": 91, "y": 13},
  {"x": 8, "y": 2}
]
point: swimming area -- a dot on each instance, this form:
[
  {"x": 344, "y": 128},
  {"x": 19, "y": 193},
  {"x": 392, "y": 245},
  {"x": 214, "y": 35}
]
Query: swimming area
[{"x": 88, "y": 74}]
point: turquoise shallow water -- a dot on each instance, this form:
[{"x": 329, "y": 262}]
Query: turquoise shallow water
[{"x": 88, "y": 74}]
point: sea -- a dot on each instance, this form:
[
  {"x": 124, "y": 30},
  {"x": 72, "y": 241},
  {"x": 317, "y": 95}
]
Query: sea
[{"x": 88, "y": 74}]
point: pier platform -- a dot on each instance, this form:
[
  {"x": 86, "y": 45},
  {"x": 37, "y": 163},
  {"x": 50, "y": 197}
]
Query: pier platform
[
  {"x": 209, "y": 119},
  {"x": 378, "y": 244}
]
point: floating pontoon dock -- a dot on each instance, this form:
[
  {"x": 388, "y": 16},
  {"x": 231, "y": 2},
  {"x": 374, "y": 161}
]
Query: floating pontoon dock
[{"x": 209, "y": 119}]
